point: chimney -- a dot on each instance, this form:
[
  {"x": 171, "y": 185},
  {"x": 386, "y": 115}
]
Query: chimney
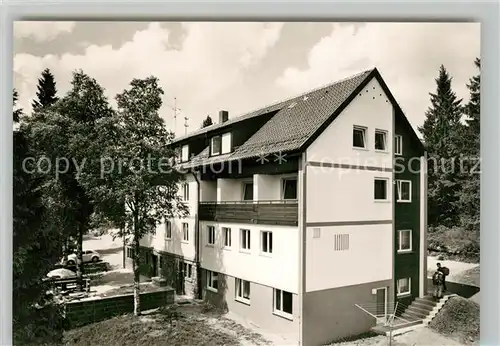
[{"x": 223, "y": 116}]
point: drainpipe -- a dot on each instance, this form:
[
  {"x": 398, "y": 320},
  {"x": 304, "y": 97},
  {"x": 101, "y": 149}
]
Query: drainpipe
[{"x": 197, "y": 238}]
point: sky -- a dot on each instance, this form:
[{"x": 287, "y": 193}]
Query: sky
[{"x": 239, "y": 66}]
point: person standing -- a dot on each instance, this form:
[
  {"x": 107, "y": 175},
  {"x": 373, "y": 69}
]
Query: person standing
[{"x": 445, "y": 272}]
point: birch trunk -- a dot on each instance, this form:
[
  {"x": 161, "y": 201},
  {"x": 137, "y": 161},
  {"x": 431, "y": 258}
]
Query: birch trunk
[{"x": 136, "y": 266}]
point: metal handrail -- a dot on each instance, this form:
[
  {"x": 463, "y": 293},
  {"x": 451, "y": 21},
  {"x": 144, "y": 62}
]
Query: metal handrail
[{"x": 278, "y": 201}]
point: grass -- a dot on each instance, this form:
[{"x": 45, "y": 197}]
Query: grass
[
  {"x": 458, "y": 319},
  {"x": 195, "y": 325}
]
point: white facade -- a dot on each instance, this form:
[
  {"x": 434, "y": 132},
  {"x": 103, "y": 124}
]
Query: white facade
[
  {"x": 349, "y": 234},
  {"x": 277, "y": 270},
  {"x": 364, "y": 255},
  {"x": 370, "y": 109},
  {"x": 176, "y": 243}
]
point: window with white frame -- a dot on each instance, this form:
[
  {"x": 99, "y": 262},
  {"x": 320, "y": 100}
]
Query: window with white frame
[
  {"x": 185, "y": 153},
  {"x": 398, "y": 145},
  {"x": 245, "y": 239},
  {"x": 266, "y": 242},
  {"x": 185, "y": 191},
  {"x": 404, "y": 190},
  {"x": 226, "y": 231},
  {"x": 242, "y": 290},
  {"x": 212, "y": 280},
  {"x": 168, "y": 229},
  {"x": 359, "y": 137},
  {"x": 187, "y": 269},
  {"x": 211, "y": 235},
  {"x": 283, "y": 302},
  {"x": 380, "y": 189},
  {"x": 290, "y": 188},
  {"x": 226, "y": 143},
  {"x": 215, "y": 145},
  {"x": 185, "y": 231},
  {"x": 380, "y": 140},
  {"x": 248, "y": 191},
  {"x": 405, "y": 240},
  {"x": 404, "y": 286}
]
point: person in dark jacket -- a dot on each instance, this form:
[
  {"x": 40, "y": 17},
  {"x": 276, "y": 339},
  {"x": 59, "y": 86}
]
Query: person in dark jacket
[{"x": 445, "y": 272}]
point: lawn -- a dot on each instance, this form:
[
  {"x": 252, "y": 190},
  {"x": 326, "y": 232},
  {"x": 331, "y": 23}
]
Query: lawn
[{"x": 198, "y": 324}]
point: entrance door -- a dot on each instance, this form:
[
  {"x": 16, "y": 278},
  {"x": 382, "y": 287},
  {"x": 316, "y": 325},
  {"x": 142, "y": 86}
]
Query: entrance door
[
  {"x": 155, "y": 265},
  {"x": 381, "y": 303}
]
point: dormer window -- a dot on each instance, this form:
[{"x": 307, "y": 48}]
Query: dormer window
[
  {"x": 185, "y": 153},
  {"x": 215, "y": 145}
]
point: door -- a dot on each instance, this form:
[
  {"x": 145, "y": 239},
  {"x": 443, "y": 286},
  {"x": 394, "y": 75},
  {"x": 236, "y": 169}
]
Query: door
[
  {"x": 381, "y": 303},
  {"x": 155, "y": 265},
  {"x": 86, "y": 256}
]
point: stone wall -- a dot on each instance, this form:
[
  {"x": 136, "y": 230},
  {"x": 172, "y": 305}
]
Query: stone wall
[{"x": 79, "y": 313}]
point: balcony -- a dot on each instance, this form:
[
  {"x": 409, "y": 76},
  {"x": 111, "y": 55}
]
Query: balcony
[{"x": 277, "y": 212}]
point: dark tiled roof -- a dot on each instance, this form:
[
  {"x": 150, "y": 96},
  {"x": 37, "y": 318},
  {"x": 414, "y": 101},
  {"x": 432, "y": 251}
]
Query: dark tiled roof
[{"x": 295, "y": 122}]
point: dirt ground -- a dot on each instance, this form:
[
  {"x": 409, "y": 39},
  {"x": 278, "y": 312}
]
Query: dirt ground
[{"x": 196, "y": 324}]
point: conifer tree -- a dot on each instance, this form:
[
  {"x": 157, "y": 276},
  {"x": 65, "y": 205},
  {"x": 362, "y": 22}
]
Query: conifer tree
[
  {"x": 46, "y": 94},
  {"x": 470, "y": 194},
  {"x": 442, "y": 131},
  {"x": 207, "y": 122}
]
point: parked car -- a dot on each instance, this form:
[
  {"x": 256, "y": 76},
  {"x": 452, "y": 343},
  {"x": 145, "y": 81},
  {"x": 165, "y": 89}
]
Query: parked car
[{"x": 87, "y": 256}]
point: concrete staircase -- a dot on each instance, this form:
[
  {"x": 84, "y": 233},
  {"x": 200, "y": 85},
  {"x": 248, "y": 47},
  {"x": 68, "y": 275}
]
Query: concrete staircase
[{"x": 419, "y": 314}]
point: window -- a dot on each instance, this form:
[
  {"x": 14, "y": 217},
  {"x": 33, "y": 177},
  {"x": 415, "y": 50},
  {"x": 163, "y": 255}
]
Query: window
[
  {"x": 316, "y": 232},
  {"x": 242, "y": 290},
  {"x": 130, "y": 252},
  {"x": 245, "y": 239},
  {"x": 248, "y": 191},
  {"x": 185, "y": 153},
  {"x": 398, "y": 145},
  {"x": 289, "y": 188},
  {"x": 380, "y": 189},
  {"x": 404, "y": 190},
  {"x": 212, "y": 280},
  {"x": 283, "y": 302},
  {"x": 380, "y": 140},
  {"x": 211, "y": 235},
  {"x": 359, "y": 137},
  {"x": 168, "y": 229},
  {"x": 404, "y": 286},
  {"x": 215, "y": 145},
  {"x": 185, "y": 191},
  {"x": 226, "y": 143},
  {"x": 267, "y": 242},
  {"x": 227, "y": 236},
  {"x": 341, "y": 242},
  {"x": 187, "y": 268},
  {"x": 405, "y": 241},
  {"x": 185, "y": 231}
]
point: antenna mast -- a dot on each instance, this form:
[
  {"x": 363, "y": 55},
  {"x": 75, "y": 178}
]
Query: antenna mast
[
  {"x": 186, "y": 125},
  {"x": 176, "y": 112}
]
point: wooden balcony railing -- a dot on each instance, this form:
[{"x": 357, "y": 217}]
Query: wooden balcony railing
[{"x": 279, "y": 212}]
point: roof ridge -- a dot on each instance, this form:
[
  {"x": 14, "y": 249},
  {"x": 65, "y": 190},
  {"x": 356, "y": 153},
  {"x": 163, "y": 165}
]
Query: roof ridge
[
  {"x": 274, "y": 104},
  {"x": 310, "y": 91}
]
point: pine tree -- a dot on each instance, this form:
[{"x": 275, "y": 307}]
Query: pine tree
[
  {"x": 442, "y": 131},
  {"x": 207, "y": 122},
  {"x": 17, "y": 112},
  {"x": 46, "y": 94},
  {"x": 470, "y": 194},
  {"x": 36, "y": 246}
]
